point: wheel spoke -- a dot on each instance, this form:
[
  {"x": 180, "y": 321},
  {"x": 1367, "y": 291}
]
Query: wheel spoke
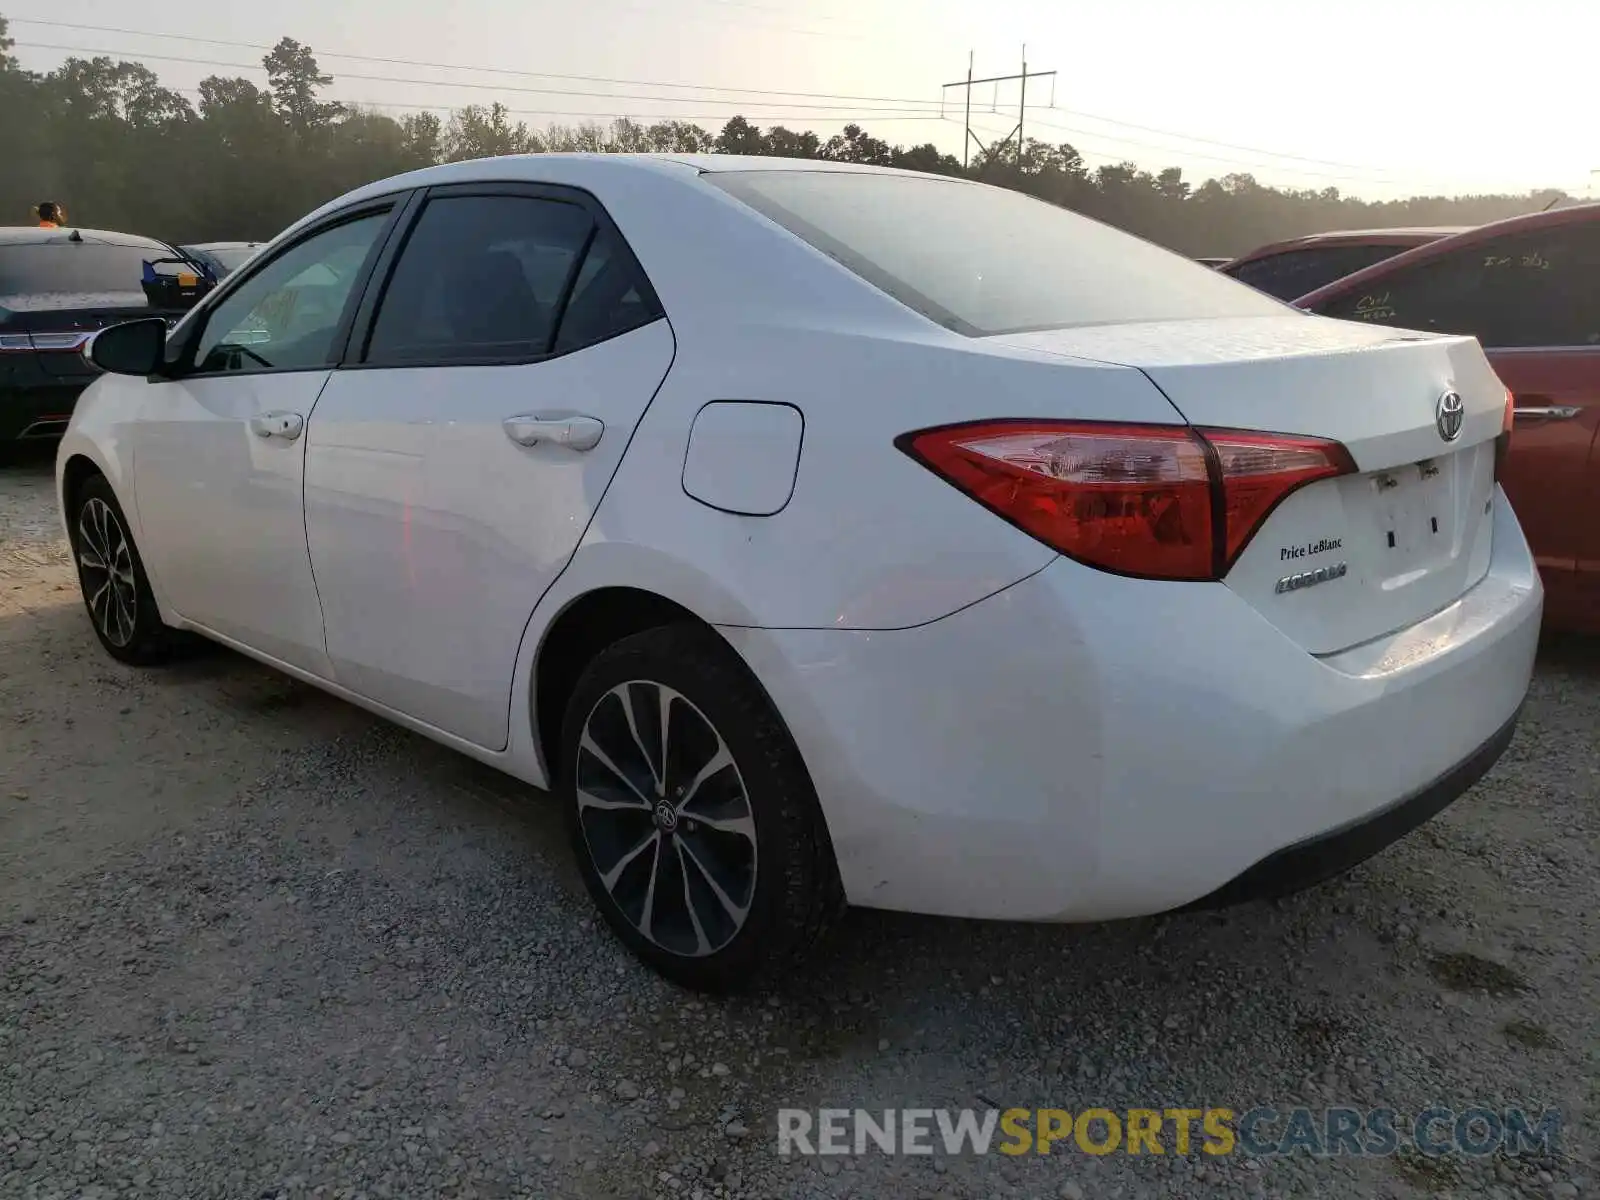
[
  {"x": 588, "y": 799},
  {"x": 87, "y": 558},
  {"x": 100, "y": 606},
  {"x": 702, "y": 944},
  {"x": 736, "y": 911},
  {"x": 647, "y": 915},
  {"x": 742, "y": 826},
  {"x": 610, "y": 877},
  {"x": 720, "y": 760},
  {"x": 600, "y": 756},
  {"x": 124, "y": 617},
  {"x": 653, "y": 761},
  {"x": 102, "y": 516}
]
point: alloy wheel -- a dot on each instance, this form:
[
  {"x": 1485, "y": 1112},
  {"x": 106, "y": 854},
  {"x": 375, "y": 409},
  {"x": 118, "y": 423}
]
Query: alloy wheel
[
  {"x": 105, "y": 569},
  {"x": 666, "y": 818}
]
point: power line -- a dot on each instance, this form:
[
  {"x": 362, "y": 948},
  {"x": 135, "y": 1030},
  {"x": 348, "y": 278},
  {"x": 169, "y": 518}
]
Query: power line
[
  {"x": 624, "y": 82},
  {"x": 1212, "y": 141},
  {"x": 413, "y": 62},
  {"x": 757, "y": 117},
  {"x": 1236, "y": 162},
  {"x": 911, "y": 105},
  {"x": 925, "y": 110}
]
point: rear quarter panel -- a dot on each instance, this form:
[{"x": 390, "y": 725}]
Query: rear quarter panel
[{"x": 869, "y": 539}]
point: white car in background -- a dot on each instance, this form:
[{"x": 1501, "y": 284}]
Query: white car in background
[{"x": 823, "y": 535}]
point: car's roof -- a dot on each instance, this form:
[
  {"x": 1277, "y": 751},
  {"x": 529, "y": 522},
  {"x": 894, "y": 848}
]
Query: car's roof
[
  {"x": 1423, "y": 231},
  {"x": 1576, "y": 214},
  {"x": 1400, "y": 235},
  {"x": 33, "y": 235},
  {"x": 595, "y": 169}
]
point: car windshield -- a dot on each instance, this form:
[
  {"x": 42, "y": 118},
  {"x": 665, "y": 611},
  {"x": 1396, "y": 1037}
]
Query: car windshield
[
  {"x": 986, "y": 260},
  {"x": 74, "y": 267}
]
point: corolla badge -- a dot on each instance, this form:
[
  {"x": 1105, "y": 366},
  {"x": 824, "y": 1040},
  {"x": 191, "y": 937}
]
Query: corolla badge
[
  {"x": 1305, "y": 579},
  {"x": 1448, "y": 415}
]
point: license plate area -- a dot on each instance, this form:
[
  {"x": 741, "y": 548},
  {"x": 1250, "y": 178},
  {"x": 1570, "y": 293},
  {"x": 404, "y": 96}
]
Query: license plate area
[{"x": 1414, "y": 511}]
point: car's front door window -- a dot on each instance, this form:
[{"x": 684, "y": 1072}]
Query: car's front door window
[{"x": 285, "y": 316}]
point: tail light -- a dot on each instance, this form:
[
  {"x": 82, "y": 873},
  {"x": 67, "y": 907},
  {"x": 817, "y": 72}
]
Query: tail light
[
  {"x": 1502, "y": 444},
  {"x": 20, "y": 343},
  {"x": 1153, "y": 501}
]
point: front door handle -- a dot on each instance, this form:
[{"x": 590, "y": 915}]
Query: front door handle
[
  {"x": 1549, "y": 412},
  {"x": 572, "y": 430},
  {"x": 285, "y": 425}
]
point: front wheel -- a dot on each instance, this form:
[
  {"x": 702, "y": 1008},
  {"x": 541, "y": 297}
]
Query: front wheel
[
  {"x": 693, "y": 819},
  {"x": 116, "y": 591}
]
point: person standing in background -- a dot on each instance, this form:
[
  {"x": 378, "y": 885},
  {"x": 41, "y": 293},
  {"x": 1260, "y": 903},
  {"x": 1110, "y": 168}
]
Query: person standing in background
[{"x": 51, "y": 215}]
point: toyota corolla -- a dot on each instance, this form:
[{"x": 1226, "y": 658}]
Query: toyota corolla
[{"x": 823, "y": 535}]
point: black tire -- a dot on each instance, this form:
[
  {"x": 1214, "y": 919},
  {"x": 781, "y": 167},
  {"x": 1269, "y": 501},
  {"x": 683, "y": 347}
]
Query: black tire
[
  {"x": 122, "y": 609},
  {"x": 792, "y": 883}
]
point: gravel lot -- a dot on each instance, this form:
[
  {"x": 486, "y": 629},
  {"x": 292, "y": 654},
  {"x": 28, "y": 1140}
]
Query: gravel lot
[{"x": 255, "y": 943}]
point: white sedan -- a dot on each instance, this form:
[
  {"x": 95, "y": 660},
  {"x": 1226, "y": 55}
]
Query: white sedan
[{"x": 824, "y": 535}]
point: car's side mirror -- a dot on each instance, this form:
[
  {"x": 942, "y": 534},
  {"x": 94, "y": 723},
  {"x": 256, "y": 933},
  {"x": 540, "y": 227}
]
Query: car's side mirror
[{"x": 132, "y": 348}]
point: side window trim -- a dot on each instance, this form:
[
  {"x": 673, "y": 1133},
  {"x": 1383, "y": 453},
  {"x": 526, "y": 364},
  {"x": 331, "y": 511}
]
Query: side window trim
[
  {"x": 360, "y": 335},
  {"x": 392, "y": 203}
]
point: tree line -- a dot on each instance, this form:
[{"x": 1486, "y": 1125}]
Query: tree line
[{"x": 120, "y": 151}]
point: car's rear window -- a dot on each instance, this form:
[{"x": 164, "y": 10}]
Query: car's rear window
[
  {"x": 984, "y": 260},
  {"x": 74, "y": 267},
  {"x": 1294, "y": 273}
]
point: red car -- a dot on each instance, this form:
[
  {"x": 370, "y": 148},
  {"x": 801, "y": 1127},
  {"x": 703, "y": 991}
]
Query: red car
[
  {"x": 1294, "y": 267},
  {"x": 1529, "y": 289}
]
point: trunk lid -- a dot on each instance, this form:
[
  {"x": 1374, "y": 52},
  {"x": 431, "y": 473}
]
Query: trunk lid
[{"x": 1344, "y": 560}]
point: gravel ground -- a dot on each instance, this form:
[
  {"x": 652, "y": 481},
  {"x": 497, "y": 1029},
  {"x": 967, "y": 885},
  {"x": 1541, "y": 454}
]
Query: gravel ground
[{"x": 256, "y": 943}]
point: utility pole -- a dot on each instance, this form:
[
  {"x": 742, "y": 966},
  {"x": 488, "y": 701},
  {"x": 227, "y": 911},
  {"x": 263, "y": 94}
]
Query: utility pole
[
  {"x": 966, "y": 141},
  {"x": 1022, "y": 104},
  {"x": 1022, "y": 108}
]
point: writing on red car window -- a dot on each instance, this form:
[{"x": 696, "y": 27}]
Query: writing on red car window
[
  {"x": 1373, "y": 308},
  {"x": 1531, "y": 262}
]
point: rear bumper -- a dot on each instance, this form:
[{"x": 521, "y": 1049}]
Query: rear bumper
[
  {"x": 1085, "y": 747},
  {"x": 1307, "y": 863},
  {"x": 39, "y": 411}
]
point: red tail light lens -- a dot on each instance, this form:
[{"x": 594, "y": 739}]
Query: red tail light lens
[{"x": 1154, "y": 501}]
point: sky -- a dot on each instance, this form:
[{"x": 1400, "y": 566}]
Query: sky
[{"x": 1379, "y": 98}]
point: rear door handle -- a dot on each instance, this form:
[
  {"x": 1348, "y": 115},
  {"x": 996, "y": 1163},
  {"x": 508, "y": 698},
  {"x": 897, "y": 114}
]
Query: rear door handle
[
  {"x": 1549, "y": 412},
  {"x": 572, "y": 430},
  {"x": 285, "y": 425}
]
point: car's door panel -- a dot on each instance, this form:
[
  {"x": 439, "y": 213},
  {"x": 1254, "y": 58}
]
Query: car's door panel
[
  {"x": 221, "y": 509},
  {"x": 220, "y": 451},
  {"x": 443, "y": 498},
  {"x": 1557, "y": 395},
  {"x": 433, "y": 534},
  {"x": 1586, "y": 575}
]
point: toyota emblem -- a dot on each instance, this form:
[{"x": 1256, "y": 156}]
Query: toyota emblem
[{"x": 1448, "y": 415}]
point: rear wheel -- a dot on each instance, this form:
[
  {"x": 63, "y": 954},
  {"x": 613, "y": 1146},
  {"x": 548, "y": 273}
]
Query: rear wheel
[
  {"x": 116, "y": 592},
  {"x": 691, "y": 814}
]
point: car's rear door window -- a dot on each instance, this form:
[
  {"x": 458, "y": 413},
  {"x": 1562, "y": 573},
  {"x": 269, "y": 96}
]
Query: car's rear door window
[
  {"x": 506, "y": 278},
  {"x": 1524, "y": 289},
  {"x": 986, "y": 260}
]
